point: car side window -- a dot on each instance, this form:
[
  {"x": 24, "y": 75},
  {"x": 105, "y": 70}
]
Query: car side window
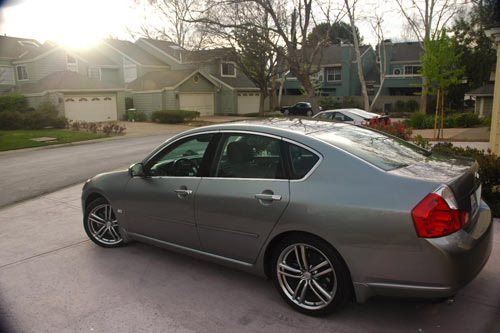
[
  {"x": 250, "y": 156},
  {"x": 181, "y": 159},
  {"x": 327, "y": 115},
  {"x": 342, "y": 117},
  {"x": 301, "y": 161}
]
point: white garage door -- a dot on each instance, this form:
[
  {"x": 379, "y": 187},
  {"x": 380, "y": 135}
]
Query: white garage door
[
  {"x": 203, "y": 103},
  {"x": 92, "y": 108},
  {"x": 248, "y": 102}
]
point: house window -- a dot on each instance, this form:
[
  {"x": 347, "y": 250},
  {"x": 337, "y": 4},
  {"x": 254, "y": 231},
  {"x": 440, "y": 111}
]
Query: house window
[
  {"x": 22, "y": 73},
  {"x": 95, "y": 73},
  {"x": 6, "y": 75},
  {"x": 228, "y": 69},
  {"x": 129, "y": 70},
  {"x": 334, "y": 74},
  {"x": 72, "y": 63},
  {"x": 412, "y": 70}
]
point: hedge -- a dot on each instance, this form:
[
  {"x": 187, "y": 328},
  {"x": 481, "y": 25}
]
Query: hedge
[
  {"x": 13, "y": 102},
  {"x": 173, "y": 116},
  {"x": 45, "y": 116},
  {"x": 419, "y": 120}
]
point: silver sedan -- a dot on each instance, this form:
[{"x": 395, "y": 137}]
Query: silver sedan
[{"x": 326, "y": 210}]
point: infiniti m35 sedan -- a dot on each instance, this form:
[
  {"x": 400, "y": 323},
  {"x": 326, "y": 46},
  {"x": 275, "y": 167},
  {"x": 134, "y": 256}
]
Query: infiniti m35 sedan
[{"x": 327, "y": 210}]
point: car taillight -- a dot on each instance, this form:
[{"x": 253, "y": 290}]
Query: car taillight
[{"x": 437, "y": 214}]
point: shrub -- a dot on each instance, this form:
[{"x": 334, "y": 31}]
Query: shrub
[
  {"x": 412, "y": 105},
  {"x": 173, "y": 116},
  {"x": 327, "y": 102},
  {"x": 129, "y": 103},
  {"x": 11, "y": 120},
  {"x": 396, "y": 129},
  {"x": 141, "y": 116},
  {"x": 400, "y": 106},
  {"x": 421, "y": 141},
  {"x": 419, "y": 120},
  {"x": 13, "y": 102},
  {"x": 468, "y": 119},
  {"x": 486, "y": 121},
  {"x": 489, "y": 169}
]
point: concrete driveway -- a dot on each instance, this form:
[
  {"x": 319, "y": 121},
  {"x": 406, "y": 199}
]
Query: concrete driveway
[{"x": 52, "y": 279}]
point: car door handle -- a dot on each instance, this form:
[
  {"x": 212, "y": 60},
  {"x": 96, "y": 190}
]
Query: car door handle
[
  {"x": 183, "y": 192},
  {"x": 269, "y": 197}
]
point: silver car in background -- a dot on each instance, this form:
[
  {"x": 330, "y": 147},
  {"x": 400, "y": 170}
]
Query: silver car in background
[
  {"x": 352, "y": 116},
  {"x": 324, "y": 209}
]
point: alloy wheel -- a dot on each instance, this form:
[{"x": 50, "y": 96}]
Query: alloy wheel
[
  {"x": 103, "y": 225},
  {"x": 306, "y": 276}
]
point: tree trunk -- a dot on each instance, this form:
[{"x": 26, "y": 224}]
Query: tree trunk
[
  {"x": 262, "y": 99},
  {"x": 423, "y": 97}
]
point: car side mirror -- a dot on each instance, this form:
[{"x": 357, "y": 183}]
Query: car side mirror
[{"x": 136, "y": 170}]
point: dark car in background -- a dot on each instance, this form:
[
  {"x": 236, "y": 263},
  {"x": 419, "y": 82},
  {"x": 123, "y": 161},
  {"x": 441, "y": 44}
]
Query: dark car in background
[{"x": 299, "y": 109}]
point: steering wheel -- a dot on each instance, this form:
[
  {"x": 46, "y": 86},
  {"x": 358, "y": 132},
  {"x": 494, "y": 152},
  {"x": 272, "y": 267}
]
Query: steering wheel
[{"x": 184, "y": 166}]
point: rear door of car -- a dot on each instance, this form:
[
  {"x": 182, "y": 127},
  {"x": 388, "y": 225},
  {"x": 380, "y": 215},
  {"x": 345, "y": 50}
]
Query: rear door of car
[{"x": 237, "y": 206}]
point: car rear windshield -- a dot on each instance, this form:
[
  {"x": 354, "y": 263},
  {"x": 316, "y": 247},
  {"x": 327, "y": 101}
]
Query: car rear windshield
[{"x": 383, "y": 151}]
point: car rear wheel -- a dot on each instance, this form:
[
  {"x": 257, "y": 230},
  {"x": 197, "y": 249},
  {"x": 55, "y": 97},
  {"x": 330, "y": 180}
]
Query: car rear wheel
[
  {"x": 101, "y": 225},
  {"x": 310, "y": 275}
]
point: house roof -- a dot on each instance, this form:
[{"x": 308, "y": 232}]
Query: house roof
[
  {"x": 167, "y": 47},
  {"x": 239, "y": 82},
  {"x": 409, "y": 51},
  {"x": 10, "y": 47},
  {"x": 208, "y": 55},
  {"x": 66, "y": 80},
  {"x": 135, "y": 53},
  {"x": 158, "y": 80},
  {"x": 333, "y": 54},
  {"x": 94, "y": 57},
  {"x": 484, "y": 90}
]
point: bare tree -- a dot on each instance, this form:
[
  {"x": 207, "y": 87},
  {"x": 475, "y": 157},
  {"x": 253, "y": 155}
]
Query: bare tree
[
  {"x": 286, "y": 31},
  {"x": 427, "y": 18},
  {"x": 376, "y": 25},
  {"x": 350, "y": 7},
  {"x": 167, "y": 20}
]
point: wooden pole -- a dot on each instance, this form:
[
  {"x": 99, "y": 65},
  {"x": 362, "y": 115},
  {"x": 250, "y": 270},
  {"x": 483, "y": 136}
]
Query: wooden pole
[
  {"x": 442, "y": 115},
  {"x": 437, "y": 114}
]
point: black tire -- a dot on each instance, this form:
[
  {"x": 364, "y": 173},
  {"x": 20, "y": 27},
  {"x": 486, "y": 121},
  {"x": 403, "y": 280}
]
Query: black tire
[
  {"x": 99, "y": 214},
  {"x": 309, "y": 113},
  {"x": 314, "y": 302}
]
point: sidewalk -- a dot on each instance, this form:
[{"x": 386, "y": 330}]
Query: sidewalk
[{"x": 474, "y": 134}]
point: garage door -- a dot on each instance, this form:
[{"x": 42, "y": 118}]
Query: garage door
[
  {"x": 248, "y": 102},
  {"x": 203, "y": 103},
  {"x": 92, "y": 108}
]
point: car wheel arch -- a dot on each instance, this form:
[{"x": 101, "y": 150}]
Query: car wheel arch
[{"x": 94, "y": 196}]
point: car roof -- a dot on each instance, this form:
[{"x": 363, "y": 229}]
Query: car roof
[
  {"x": 357, "y": 112},
  {"x": 277, "y": 126}
]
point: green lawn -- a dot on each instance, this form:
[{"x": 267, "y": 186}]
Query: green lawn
[{"x": 10, "y": 140}]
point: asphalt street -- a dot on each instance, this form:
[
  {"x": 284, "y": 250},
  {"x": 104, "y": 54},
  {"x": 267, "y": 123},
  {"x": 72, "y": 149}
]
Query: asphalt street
[
  {"x": 28, "y": 174},
  {"x": 53, "y": 279}
]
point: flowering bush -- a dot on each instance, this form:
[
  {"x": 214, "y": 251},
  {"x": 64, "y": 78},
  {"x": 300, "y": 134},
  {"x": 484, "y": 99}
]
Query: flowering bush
[{"x": 396, "y": 129}]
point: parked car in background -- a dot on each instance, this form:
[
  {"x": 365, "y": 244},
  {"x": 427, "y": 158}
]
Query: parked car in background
[
  {"x": 322, "y": 208},
  {"x": 299, "y": 109},
  {"x": 352, "y": 116}
]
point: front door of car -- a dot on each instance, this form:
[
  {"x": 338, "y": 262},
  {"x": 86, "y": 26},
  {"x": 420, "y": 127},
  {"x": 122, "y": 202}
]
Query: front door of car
[
  {"x": 161, "y": 204},
  {"x": 238, "y": 205}
]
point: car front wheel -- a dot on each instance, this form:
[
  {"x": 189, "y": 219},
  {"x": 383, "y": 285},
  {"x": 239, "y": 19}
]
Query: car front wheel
[
  {"x": 286, "y": 112},
  {"x": 101, "y": 225},
  {"x": 309, "y": 113},
  {"x": 310, "y": 275}
]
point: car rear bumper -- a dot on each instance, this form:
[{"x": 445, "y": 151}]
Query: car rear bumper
[{"x": 450, "y": 263}]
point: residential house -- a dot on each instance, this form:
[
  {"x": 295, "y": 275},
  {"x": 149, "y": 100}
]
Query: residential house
[
  {"x": 337, "y": 72},
  {"x": 207, "y": 81},
  {"x": 78, "y": 83},
  {"x": 484, "y": 96}
]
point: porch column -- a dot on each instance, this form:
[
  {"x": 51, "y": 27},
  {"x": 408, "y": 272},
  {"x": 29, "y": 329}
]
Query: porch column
[{"x": 494, "y": 33}]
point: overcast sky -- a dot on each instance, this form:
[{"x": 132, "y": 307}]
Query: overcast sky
[{"x": 80, "y": 23}]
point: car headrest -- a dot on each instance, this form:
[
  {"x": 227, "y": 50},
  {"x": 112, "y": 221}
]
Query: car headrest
[{"x": 239, "y": 152}]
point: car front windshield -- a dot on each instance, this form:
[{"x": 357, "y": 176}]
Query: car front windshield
[{"x": 383, "y": 151}]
